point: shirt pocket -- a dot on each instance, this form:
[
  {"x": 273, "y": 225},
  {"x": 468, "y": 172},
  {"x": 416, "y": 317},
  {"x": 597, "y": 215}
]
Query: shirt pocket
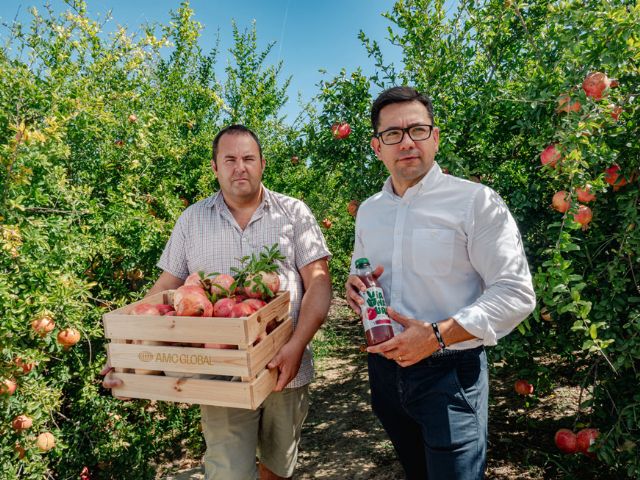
[{"x": 432, "y": 250}]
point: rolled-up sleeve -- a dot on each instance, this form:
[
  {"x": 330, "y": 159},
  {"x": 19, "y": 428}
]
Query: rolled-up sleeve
[{"x": 497, "y": 254}]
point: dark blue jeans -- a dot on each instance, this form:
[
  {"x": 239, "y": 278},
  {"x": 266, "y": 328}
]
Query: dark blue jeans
[{"x": 435, "y": 413}]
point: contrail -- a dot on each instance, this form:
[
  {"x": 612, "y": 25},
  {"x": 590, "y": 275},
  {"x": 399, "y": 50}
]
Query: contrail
[{"x": 284, "y": 26}]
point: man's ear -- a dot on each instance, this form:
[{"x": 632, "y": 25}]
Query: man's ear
[
  {"x": 214, "y": 167},
  {"x": 263, "y": 162},
  {"x": 375, "y": 145}
]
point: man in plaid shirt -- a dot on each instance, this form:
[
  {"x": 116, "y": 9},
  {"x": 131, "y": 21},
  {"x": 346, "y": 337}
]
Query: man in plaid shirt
[{"x": 210, "y": 236}]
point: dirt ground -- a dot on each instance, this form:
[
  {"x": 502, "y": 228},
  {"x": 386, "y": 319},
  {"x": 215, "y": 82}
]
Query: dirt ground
[{"x": 342, "y": 439}]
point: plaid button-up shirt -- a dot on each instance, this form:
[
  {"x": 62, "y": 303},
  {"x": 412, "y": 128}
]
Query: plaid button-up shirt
[{"x": 207, "y": 238}]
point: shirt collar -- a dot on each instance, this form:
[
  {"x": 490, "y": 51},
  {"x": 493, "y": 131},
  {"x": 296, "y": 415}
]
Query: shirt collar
[
  {"x": 428, "y": 181},
  {"x": 217, "y": 199}
]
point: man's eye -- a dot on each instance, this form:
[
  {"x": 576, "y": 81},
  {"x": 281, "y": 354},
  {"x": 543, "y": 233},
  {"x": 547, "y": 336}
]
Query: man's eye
[
  {"x": 392, "y": 135},
  {"x": 419, "y": 130}
]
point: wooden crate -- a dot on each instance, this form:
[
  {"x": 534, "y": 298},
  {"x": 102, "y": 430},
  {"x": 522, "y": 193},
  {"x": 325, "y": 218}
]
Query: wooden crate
[{"x": 186, "y": 363}]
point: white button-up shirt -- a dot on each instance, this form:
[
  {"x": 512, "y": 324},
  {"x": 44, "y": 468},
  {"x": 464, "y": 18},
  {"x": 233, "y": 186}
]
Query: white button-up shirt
[{"x": 449, "y": 248}]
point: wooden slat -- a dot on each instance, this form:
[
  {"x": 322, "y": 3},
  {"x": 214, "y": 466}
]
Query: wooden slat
[
  {"x": 180, "y": 359},
  {"x": 278, "y": 308},
  {"x": 262, "y": 353},
  {"x": 196, "y": 391},
  {"x": 262, "y": 387}
]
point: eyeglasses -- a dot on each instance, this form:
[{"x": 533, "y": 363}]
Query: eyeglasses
[{"x": 393, "y": 136}]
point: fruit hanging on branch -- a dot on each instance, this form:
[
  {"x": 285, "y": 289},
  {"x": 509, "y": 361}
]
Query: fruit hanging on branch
[
  {"x": 566, "y": 105},
  {"x": 45, "y": 441},
  {"x": 560, "y": 201},
  {"x": 68, "y": 337},
  {"x": 522, "y": 387},
  {"x": 595, "y": 85},
  {"x": 550, "y": 155},
  {"x": 583, "y": 216},
  {"x": 585, "y": 438},
  {"x": 584, "y": 194},
  {"x": 341, "y": 130}
]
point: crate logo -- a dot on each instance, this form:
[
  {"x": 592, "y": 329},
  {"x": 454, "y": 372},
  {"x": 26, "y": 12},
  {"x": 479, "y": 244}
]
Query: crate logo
[
  {"x": 145, "y": 356},
  {"x": 176, "y": 358}
]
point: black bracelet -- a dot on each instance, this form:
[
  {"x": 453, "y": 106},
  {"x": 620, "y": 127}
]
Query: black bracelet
[{"x": 436, "y": 331}]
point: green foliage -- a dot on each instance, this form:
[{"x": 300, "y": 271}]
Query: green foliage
[
  {"x": 103, "y": 142},
  {"x": 496, "y": 71}
]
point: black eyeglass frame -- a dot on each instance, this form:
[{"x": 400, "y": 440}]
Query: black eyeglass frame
[{"x": 405, "y": 131}]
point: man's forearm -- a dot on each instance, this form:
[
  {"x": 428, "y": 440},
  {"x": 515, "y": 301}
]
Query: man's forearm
[
  {"x": 452, "y": 332},
  {"x": 313, "y": 311}
]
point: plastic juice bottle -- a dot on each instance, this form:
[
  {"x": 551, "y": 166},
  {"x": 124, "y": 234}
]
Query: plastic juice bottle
[{"x": 377, "y": 325}]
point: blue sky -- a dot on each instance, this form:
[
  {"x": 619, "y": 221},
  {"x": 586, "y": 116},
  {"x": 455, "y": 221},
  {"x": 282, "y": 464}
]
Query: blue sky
[{"x": 309, "y": 35}]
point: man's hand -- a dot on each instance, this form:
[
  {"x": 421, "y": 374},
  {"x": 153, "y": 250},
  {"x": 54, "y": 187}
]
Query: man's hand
[
  {"x": 287, "y": 361},
  {"x": 354, "y": 286},
  {"x": 409, "y": 347},
  {"x": 110, "y": 381}
]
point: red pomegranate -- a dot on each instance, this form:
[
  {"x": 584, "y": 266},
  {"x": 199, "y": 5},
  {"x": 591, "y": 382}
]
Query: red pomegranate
[
  {"x": 560, "y": 201},
  {"x": 584, "y": 194},
  {"x": 583, "y": 216},
  {"x": 550, "y": 155}
]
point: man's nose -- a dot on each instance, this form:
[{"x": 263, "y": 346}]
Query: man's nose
[{"x": 406, "y": 142}]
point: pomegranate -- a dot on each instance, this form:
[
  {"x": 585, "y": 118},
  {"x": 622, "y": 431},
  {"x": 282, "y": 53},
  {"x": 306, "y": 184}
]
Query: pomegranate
[
  {"x": 583, "y": 216},
  {"x": 270, "y": 280},
  {"x": 566, "y": 105},
  {"x": 221, "y": 284},
  {"x": 565, "y": 440},
  {"x": 612, "y": 177},
  {"x": 560, "y": 201},
  {"x": 595, "y": 84},
  {"x": 68, "y": 337},
  {"x": 164, "y": 309},
  {"x": 133, "y": 118},
  {"x": 585, "y": 195},
  {"x": 193, "y": 304},
  {"x": 43, "y": 324},
  {"x": 550, "y": 155},
  {"x": 352, "y": 207},
  {"x": 46, "y": 441},
  {"x": 186, "y": 289},
  {"x": 194, "y": 280},
  {"x": 241, "y": 310},
  {"x": 341, "y": 130},
  {"x": 295, "y": 160},
  {"x": 26, "y": 367},
  {"x": 255, "y": 303},
  {"x": 223, "y": 307},
  {"x": 8, "y": 387},
  {"x": 145, "y": 309},
  {"x": 19, "y": 449},
  {"x": 522, "y": 387},
  {"x": 21, "y": 422},
  {"x": 616, "y": 111},
  {"x": 585, "y": 438},
  {"x": 326, "y": 223}
]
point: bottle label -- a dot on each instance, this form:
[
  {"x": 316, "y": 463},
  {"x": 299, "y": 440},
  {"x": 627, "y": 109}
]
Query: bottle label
[{"x": 374, "y": 309}]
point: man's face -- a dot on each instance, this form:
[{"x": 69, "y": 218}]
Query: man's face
[
  {"x": 408, "y": 161},
  {"x": 238, "y": 166}
]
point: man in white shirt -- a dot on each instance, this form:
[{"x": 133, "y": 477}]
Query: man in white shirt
[{"x": 453, "y": 270}]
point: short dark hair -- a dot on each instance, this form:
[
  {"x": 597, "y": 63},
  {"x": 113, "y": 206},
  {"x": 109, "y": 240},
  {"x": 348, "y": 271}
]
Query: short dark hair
[
  {"x": 398, "y": 95},
  {"x": 235, "y": 129}
]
